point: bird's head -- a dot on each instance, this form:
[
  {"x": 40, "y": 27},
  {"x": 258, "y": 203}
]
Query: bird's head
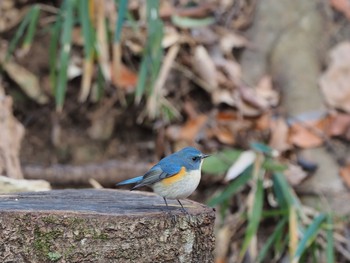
[{"x": 192, "y": 157}]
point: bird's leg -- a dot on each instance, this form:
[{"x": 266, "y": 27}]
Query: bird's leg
[
  {"x": 183, "y": 209},
  {"x": 173, "y": 217}
]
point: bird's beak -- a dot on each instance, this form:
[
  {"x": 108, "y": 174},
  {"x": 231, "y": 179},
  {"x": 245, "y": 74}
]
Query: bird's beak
[{"x": 205, "y": 156}]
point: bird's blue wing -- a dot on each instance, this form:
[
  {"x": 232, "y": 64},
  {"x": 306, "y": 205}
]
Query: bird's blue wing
[{"x": 157, "y": 173}]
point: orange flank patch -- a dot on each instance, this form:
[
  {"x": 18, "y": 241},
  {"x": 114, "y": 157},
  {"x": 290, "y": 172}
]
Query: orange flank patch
[{"x": 176, "y": 177}]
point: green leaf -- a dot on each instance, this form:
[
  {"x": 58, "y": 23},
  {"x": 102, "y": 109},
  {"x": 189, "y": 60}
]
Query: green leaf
[
  {"x": 55, "y": 32},
  {"x": 254, "y": 217},
  {"x": 272, "y": 238},
  {"x": 88, "y": 31},
  {"x": 66, "y": 38},
  {"x": 283, "y": 191},
  {"x": 122, "y": 12},
  {"x": 186, "y": 22},
  {"x": 34, "y": 16},
  {"x": 261, "y": 147},
  {"x": 19, "y": 33},
  {"x": 273, "y": 166},
  {"x": 220, "y": 162},
  {"x": 309, "y": 235},
  {"x": 232, "y": 188},
  {"x": 153, "y": 53},
  {"x": 141, "y": 82},
  {"x": 274, "y": 213}
]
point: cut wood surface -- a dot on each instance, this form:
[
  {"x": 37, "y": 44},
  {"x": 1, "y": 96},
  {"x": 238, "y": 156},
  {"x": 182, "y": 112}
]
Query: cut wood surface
[{"x": 102, "y": 226}]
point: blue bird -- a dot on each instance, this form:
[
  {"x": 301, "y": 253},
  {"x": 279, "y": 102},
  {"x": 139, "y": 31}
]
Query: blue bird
[{"x": 174, "y": 177}]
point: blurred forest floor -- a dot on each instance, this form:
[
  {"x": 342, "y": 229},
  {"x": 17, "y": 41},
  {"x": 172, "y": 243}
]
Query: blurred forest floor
[{"x": 232, "y": 73}]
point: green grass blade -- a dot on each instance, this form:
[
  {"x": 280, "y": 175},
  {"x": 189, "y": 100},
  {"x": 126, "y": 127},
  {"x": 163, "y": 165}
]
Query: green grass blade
[
  {"x": 66, "y": 39},
  {"x": 254, "y": 217},
  {"x": 274, "y": 166},
  {"x": 280, "y": 244},
  {"x": 153, "y": 52},
  {"x": 34, "y": 17},
  {"x": 89, "y": 43},
  {"x": 55, "y": 33},
  {"x": 273, "y": 237},
  {"x": 19, "y": 33},
  {"x": 261, "y": 147},
  {"x": 122, "y": 13},
  {"x": 232, "y": 188},
  {"x": 142, "y": 80},
  {"x": 274, "y": 213},
  {"x": 283, "y": 191},
  {"x": 88, "y": 32},
  {"x": 330, "y": 240},
  {"x": 309, "y": 236}
]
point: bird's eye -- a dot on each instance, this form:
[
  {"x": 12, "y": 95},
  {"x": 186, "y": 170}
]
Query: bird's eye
[{"x": 195, "y": 159}]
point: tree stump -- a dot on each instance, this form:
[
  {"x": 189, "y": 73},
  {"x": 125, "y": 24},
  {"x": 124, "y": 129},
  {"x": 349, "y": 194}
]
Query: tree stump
[{"x": 102, "y": 226}]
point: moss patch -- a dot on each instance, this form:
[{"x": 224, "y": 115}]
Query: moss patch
[{"x": 43, "y": 240}]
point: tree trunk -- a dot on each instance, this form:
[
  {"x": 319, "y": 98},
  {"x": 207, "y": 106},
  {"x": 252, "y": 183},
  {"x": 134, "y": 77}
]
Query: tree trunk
[{"x": 103, "y": 226}]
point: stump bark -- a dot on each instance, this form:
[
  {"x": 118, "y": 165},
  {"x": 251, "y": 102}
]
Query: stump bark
[{"x": 102, "y": 226}]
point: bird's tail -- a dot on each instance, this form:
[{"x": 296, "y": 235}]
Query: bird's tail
[{"x": 131, "y": 181}]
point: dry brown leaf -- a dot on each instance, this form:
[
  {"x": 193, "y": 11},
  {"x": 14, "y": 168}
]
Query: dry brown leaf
[
  {"x": 27, "y": 81},
  {"x": 224, "y": 135},
  {"x": 226, "y": 116},
  {"x": 303, "y": 137},
  {"x": 166, "y": 9},
  {"x": 345, "y": 175},
  {"x": 342, "y": 6},
  {"x": 250, "y": 96},
  {"x": 264, "y": 90},
  {"x": 334, "y": 83},
  {"x": 263, "y": 122},
  {"x": 279, "y": 135},
  {"x": 189, "y": 131},
  {"x": 223, "y": 96},
  {"x": 226, "y": 125},
  {"x": 231, "y": 68},
  {"x": 127, "y": 79},
  {"x": 205, "y": 67},
  {"x": 232, "y": 40},
  {"x": 247, "y": 103},
  {"x": 10, "y": 14},
  {"x": 204, "y": 35},
  {"x": 339, "y": 125},
  {"x": 171, "y": 37}
]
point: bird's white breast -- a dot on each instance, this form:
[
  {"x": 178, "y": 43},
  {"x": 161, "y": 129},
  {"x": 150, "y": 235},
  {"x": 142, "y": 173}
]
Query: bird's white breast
[{"x": 180, "y": 189}]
